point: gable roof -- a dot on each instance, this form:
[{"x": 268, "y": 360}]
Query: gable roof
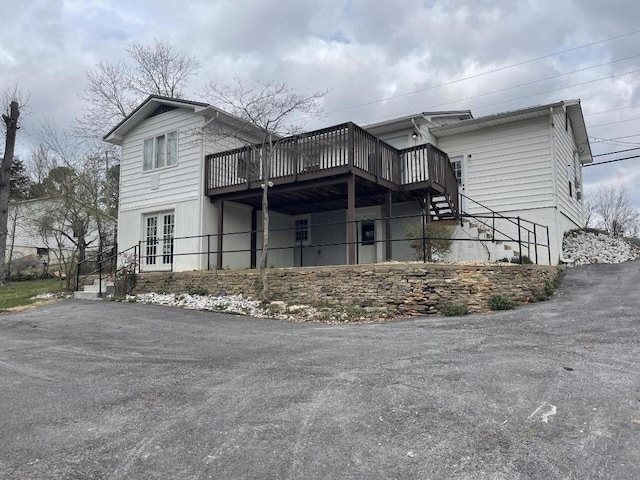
[
  {"x": 151, "y": 104},
  {"x": 574, "y": 112}
]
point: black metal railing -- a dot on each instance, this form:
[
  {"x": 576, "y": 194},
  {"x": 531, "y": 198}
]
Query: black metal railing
[
  {"x": 106, "y": 264},
  {"x": 525, "y": 228},
  {"x": 527, "y": 240}
]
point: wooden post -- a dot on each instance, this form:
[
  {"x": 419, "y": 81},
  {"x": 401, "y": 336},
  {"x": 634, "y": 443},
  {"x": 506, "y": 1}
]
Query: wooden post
[
  {"x": 388, "y": 244},
  {"x": 351, "y": 220},
  {"x": 220, "y": 208},
  {"x": 429, "y": 244}
]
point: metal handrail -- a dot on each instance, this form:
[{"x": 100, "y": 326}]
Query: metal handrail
[
  {"x": 527, "y": 242},
  {"x": 101, "y": 262}
]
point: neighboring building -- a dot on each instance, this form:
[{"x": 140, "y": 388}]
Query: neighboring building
[
  {"x": 48, "y": 231},
  {"x": 179, "y": 188}
]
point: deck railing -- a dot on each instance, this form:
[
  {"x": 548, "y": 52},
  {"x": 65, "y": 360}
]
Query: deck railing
[{"x": 344, "y": 146}]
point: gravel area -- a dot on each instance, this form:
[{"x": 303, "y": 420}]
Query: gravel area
[{"x": 584, "y": 248}]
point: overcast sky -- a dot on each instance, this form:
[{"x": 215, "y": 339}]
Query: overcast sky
[{"x": 379, "y": 58}]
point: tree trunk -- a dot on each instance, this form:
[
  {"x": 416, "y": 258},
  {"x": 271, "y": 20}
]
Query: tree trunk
[
  {"x": 12, "y": 241},
  {"x": 266, "y": 161},
  {"x": 11, "y": 122}
]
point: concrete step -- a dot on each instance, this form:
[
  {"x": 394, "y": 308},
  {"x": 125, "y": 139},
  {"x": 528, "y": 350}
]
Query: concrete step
[
  {"x": 86, "y": 295},
  {"x": 108, "y": 288}
]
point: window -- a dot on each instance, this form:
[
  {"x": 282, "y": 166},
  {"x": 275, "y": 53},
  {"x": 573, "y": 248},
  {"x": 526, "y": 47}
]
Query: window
[
  {"x": 160, "y": 151},
  {"x": 368, "y": 233},
  {"x": 302, "y": 230},
  {"x": 456, "y": 164},
  {"x": 158, "y": 244}
]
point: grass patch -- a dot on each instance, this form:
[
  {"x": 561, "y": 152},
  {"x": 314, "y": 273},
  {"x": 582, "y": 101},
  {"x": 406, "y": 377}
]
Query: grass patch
[{"x": 16, "y": 294}]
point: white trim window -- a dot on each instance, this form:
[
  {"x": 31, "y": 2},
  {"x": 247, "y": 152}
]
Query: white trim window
[
  {"x": 158, "y": 238},
  {"x": 160, "y": 151},
  {"x": 456, "y": 164},
  {"x": 302, "y": 232}
]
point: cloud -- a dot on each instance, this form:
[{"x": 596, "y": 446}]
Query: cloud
[{"x": 364, "y": 51}]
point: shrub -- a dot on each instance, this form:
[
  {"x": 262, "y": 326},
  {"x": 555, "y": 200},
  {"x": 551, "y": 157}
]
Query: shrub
[
  {"x": 550, "y": 286},
  {"x": 454, "y": 309},
  {"x": 197, "y": 290},
  {"x": 500, "y": 302},
  {"x": 438, "y": 236},
  {"x": 515, "y": 259}
]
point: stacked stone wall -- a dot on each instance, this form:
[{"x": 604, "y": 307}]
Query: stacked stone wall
[{"x": 399, "y": 289}]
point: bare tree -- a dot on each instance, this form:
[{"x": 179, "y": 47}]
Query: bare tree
[
  {"x": 115, "y": 89},
  {"x": 10, "y": 117},
  {"x": 613, "y": 211},
  {"x": 263, "y": 120},
  {"x": 83, "y": 180}
]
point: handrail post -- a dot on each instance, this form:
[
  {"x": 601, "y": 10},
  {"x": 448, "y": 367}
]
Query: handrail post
[
  {"x": 535, "y": 244},
  {"x": 140, "y": 253},
  {"x": 300, "y": 245},
  {"x": 100, "y": 275},
  {"x": 208, "y": 251},
  {"x": 357, "y": 243},
  {"x": 519, "y": 241},
  {"x": 493, "y": 226}
]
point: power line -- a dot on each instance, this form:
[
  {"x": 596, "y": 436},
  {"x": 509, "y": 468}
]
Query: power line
[
  {"x": 614, "y": 123},
  {"x": 517, "y": 98},
  {"x": 611, "y": 161},
  {"x": 612, "y": 110},
  {"x": 617, "y": 151},
  {"x": 531, "y": 60}
]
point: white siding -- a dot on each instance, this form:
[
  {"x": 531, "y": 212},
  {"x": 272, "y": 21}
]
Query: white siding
[
  {"x": 564, "y": 144},
  {"x": 509, "y": 167},
  {"x": 178, "y": 182}
]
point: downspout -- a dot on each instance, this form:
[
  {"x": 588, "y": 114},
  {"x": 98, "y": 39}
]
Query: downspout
[
  {"x": 416, "y": 128},
  {"x": 566, "y": 260},
  {"x": 554, "y": 174}
]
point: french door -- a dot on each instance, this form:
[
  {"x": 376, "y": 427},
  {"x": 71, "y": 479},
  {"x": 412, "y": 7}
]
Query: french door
[{"x": 158, "y": 239}]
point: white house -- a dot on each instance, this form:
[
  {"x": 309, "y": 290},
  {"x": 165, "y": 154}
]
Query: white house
[
  {"x": 523, "y": 163},
  {"x": 342, "y": 194},
  {"x": 50, "y": 231}
]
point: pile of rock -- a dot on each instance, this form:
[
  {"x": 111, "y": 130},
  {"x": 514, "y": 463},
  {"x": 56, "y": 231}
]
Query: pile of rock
[
  {"x": 589, "y": 247},
  {"x": 241, "y": 305}
]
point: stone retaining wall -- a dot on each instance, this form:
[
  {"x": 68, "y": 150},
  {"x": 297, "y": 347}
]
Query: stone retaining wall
[{"x": 399, "y": 289}]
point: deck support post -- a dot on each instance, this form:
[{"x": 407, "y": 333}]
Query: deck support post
[
  {"x": 254, "y": 237},
  {"x": 388, "y": 244},
  {"x": 428, "y": 212},
  {"x": 351, "y": 220},
  {"x": 220, "y": 208}
]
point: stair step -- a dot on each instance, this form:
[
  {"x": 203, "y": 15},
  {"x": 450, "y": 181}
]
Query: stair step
[
  {"x": 86, "y": 295},
  {"x": 108, "y": 289}
]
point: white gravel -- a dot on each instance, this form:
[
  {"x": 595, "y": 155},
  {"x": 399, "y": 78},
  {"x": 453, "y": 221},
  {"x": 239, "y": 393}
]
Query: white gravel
[{"x": 586, "y": 247}]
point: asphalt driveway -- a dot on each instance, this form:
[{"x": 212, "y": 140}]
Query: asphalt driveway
[{"x": 114, "y": 390}]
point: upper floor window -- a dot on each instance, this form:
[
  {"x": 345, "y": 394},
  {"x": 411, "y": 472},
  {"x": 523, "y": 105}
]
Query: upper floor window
[{"x": 160, "y": 151}]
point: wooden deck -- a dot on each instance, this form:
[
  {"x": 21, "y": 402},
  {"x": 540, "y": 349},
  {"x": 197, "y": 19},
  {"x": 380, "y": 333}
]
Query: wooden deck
[{"x": 317, "y": 157}]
